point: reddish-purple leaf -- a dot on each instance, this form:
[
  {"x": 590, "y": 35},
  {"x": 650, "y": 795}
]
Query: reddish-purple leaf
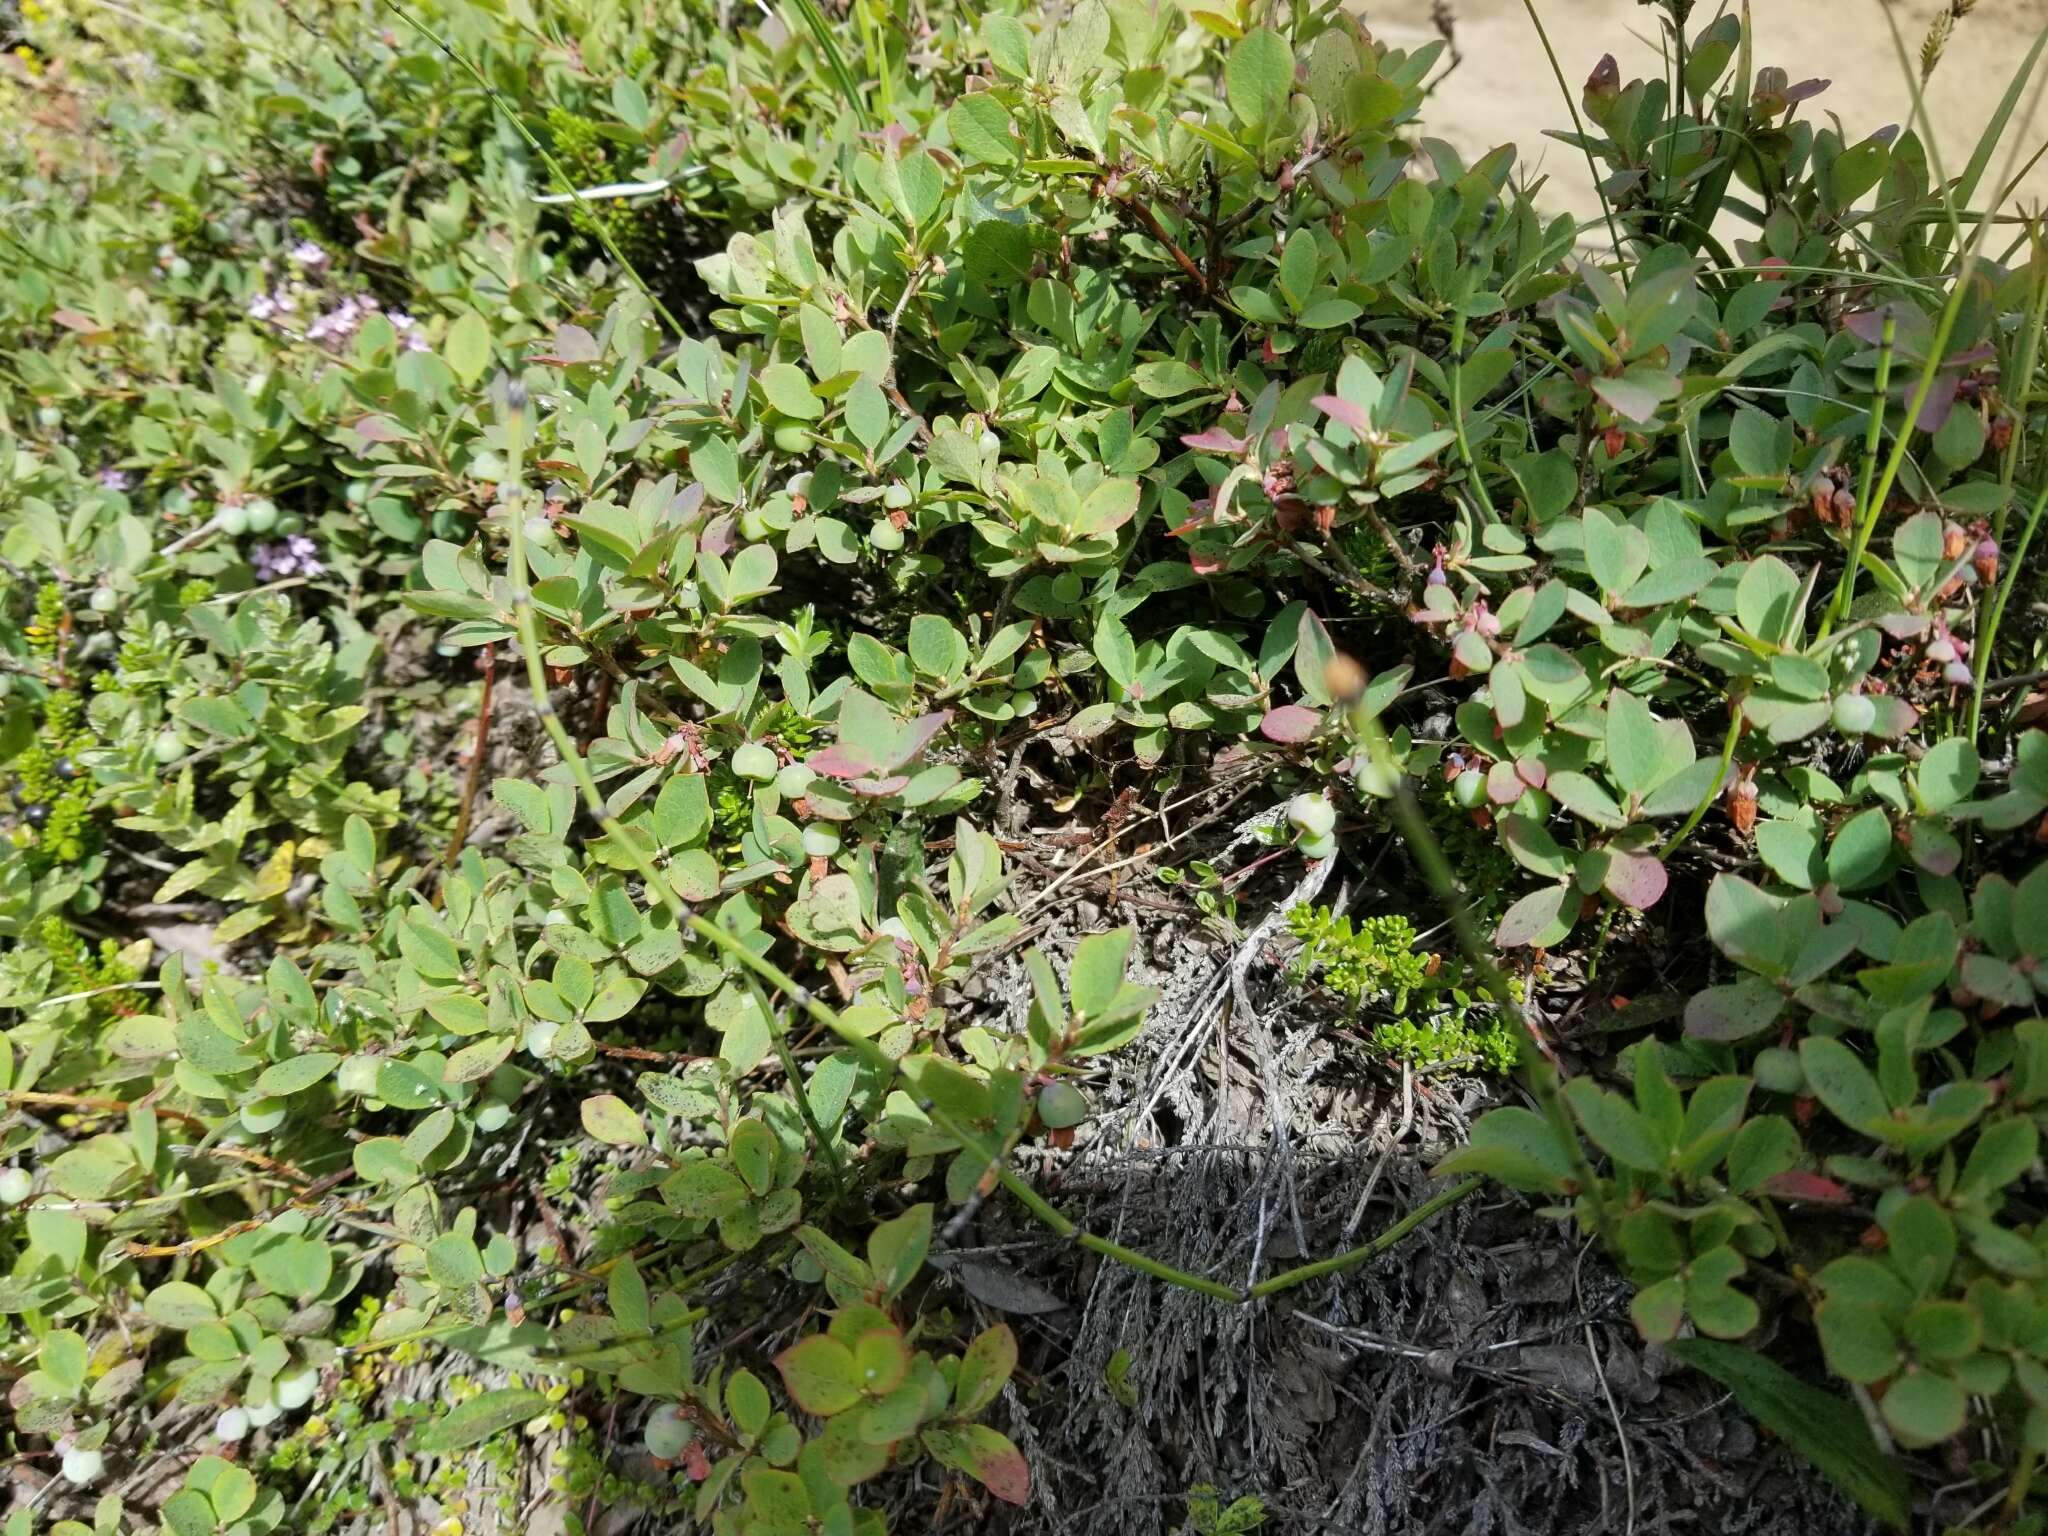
[
  {"x": 1798, "y": 1184},
  {"x": 1339, "y": 409},
  {"x": 1530, "y": 771},
  {"x": 1806, "y": 89},
  {"x": 1213, "y": 440},
  {"x": 573, "y": 344},
  {"x": 718, "y": 536},
  {"x": 987, "y": 1455},
  {"x": 380, "y": 429},
  {"x": 1940, "y": 402},
  {"x": 918, "y": 735},
  {"x": 1290, "y": 724},
  {"x": 880, "y": 786},
  {"x": 1536, "y": 918},
  {"x": 840, "y": 762},
  {"x": 1635, "y": 879},
  {"x": 1895, "y": 717},
  {"x": 1933, "y": 849},
  {"x": 1503, "y": 785}
]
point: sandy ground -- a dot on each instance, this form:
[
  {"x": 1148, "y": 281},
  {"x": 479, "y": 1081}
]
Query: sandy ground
[{"x": 1505, "y": 92}]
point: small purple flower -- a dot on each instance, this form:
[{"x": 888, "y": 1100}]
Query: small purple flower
[
  {"x": 116, "y": 479},
  {"x": 308, "y": 253},
  {"x": 293, "y": 555},
  {"x": 262, "y": 307},
  {"x": 338, "y": 324}
]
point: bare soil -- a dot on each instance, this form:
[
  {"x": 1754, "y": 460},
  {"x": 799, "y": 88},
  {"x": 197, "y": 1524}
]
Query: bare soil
[{"x": 1504, "y": 92}]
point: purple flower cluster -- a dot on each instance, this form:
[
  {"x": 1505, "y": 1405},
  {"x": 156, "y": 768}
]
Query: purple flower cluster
[
  {"x": 116, "y": 479},
  {"x": 282, "y": 305},
  {"x": 293, "y": 555}
]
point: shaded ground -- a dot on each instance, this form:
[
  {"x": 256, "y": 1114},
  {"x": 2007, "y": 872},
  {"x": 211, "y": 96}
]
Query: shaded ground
[{"x": 1483, "y": 1377}]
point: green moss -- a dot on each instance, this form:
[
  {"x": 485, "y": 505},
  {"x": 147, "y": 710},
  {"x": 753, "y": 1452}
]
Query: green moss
[{"x": 1422, "y": 1008}]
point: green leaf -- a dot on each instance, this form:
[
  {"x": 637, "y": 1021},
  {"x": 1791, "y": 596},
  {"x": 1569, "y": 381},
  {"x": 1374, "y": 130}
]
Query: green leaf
[
  {"x": 1540, "y": 918},
  {"x": 1584, "y": 797},
  {"x": 453, "y": 1261},
  {"x": 937, "y": 648},
  {"x": 2005, "y": 1150},
  {"x": 1766, "y": 599},
  {"x": 1841, "y": 1082},
  {"x": 702, "y": 1190},
  {"x": 180, "y": 1304},
  {"x": 981, "y": 129},
  {"x": 1924, "y": 1407},
  {"x": 1861, "y": 851},
  {"x": 479, "y": 1419},
  {"x": 1735, "y": 1011},
  {"x": 1258, "y": 76},
  {"x": 984, "y": 1369},
  {"x": 785, "y": 387},
  {"x": 1616, "y": 1127},
  {"x": 1859, "y": 1342},
  {"x": 296, "y": 1074},
  {"x": 1746, "y": 924},
  {"x": 747, "y": 1403},
  {"x": 897, "y": 1248},
  {"x": 294, "y": 1266},
  {"x": 1517, "y": 1147},
  {"x": 384, "y": 1160},
  {"x": 1098, "y": 970},
  {"x": 1943, "y": 1330},
  {"x": 1008, "y": 44},
  {"x": 467, "y": 350},
  {"x": 985, "y": 1455},
  {"x": 1635, "y": 750},
  {"x": 1659, "y": 1310},
  {"x": 681, "y": 811},
  {"x": 1948, "y": 773},
  {"x": 820, "y": 1374},
  {"x": 609, "y": 1118},
  {"x": 1821, "y": 1427},
  {"x": 751, "y": 1148},
  {"x": 1167, "y": 378}
]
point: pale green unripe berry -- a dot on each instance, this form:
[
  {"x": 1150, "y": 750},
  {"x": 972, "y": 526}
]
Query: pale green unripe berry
[
  {"x": 753, "y": 761},
  {"x": 667, "y": 1433},
  {"x": 1061, "y": 1105},
  {"x": 1311, "y": 814},
  {"x": 1855, "y": 714},
  {"x": 296, "y": 1388}
]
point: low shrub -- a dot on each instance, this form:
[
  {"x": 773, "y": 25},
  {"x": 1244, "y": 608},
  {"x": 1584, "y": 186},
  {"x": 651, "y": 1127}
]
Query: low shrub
[{"x": 540, "y": 543}]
